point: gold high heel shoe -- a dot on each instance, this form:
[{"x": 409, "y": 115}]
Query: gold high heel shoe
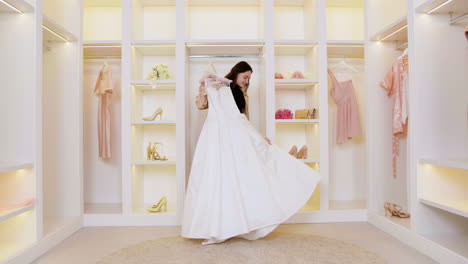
[
  {"x": 158, "y": 207},
  {"x": 293, "y": 151},
  {"x": 302, "y": 153},
  {"x": 395, "y": 209},
  {"x": 155, "y": 153},
  {"x": 156, "y": 113}
]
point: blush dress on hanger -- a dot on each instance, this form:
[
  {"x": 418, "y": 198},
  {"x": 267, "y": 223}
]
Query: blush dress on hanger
[
  {"x": 240, "y": 185},
  {"x": 348, "y": 124}
]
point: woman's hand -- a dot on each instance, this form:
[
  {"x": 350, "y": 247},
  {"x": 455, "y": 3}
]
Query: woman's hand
[
  {"x": 201, "y": 89},
  {"x": 267, "y": 140}
]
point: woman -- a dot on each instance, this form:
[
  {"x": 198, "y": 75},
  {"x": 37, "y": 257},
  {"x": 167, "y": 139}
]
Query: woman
[{"x": 239, "y": 184}]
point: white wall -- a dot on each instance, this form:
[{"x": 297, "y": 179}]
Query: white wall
[
  {"x": 382, "y": 13},
  {"x": 61, "y": 131},
  {"x": 17, "y": 91}
]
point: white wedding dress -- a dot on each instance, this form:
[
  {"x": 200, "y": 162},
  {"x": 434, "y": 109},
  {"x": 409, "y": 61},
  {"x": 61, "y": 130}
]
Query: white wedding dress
[{"x": 240, "y": 185}]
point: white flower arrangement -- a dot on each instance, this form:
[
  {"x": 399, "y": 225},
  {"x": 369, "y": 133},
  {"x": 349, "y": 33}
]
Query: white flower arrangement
[{"x": 159, "y": 72}]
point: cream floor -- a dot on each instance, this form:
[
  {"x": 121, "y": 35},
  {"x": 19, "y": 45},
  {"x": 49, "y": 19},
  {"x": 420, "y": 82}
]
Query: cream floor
[{"x": 92, "y": 243}]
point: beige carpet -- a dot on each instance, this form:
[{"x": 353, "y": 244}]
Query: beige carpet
[{"x": 277, "y": 247}]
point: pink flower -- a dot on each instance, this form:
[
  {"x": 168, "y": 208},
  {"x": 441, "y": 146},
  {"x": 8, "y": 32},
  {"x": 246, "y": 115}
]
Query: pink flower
[
  {"x": 297, "y": 75},
  {"x": 283, "y": 114}
]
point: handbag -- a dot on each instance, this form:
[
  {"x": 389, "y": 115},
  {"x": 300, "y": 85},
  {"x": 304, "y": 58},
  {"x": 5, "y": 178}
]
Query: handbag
[{"x": 305, "y": 113}]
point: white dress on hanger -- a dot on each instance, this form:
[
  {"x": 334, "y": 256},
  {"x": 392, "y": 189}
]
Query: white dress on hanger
[{"x": 240, "y": 185}]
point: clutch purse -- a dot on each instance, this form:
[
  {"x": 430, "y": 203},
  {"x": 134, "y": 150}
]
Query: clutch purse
[{"x": 305, "y": 113}]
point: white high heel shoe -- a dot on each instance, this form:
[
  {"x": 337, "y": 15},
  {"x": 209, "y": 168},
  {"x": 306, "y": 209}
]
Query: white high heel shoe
[{"x": 156, "y": 113}]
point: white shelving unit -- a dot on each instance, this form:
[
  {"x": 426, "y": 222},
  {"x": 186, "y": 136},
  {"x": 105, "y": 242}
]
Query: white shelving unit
[
  {"x": 5, "y": 215},
  {"x": 274, "y": 36},
  {"x": 19, "y": 167}
]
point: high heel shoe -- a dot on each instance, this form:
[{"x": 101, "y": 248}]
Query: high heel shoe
[
  {"x": 395, "y": 209},
  {"x": 158, "y": 207},
  {"x": 302, "y": 153},
  {"x": 293, "y": 151},
  {"x": 155, "y": 153},
  {"x": 156, "y": 113}
]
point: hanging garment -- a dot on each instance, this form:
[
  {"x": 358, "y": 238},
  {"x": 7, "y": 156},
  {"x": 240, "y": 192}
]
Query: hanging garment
[
  {"x": 348, "y": 124},
  {"x": 103, "y": 90},
  {"x": 239, "y": 184},
  {"x": 396, "y": 83}
]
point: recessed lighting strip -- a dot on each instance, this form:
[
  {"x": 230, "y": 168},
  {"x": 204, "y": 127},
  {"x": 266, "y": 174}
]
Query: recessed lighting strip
[
  {"x": 10, "y": 6},
  {"x": 51, "y": 31},
  {"x": 382, "y": 39},
  {"x": 437, "y": 7}
]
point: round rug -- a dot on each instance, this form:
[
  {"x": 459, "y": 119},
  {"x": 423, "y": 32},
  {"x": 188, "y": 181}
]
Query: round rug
[{"x": 277, "y": 247}]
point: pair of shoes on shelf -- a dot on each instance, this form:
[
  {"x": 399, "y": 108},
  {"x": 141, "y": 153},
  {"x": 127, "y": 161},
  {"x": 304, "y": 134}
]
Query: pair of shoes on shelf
[
  {"x": 156, "y": 113},
  {"x": 395, "y": 209},
  {"x": 152, "y": 151},
  {"x": 158, "y": 207},
  {"x": 301, "y": 154}
]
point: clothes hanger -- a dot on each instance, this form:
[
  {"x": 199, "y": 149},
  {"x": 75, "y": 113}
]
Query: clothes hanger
[
  {"x": 343, "y": 64},
  {"x": 405, "y": 53},
  {"x": 211, "y": 68}
]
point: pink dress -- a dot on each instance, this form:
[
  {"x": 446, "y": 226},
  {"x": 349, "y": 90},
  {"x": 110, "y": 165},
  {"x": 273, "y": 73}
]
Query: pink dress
[
  {"x": 395, "y": 82},
  {"x": 103, "y": 89},
  {"x": 348, "y": 124}
]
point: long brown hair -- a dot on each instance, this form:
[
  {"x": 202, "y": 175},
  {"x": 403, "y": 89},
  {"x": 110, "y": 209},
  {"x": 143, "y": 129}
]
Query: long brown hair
[{"x": 240, "y": 67}]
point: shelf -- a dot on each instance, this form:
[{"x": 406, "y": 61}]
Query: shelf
[
  {"x": 171, "y": 209},
  {"x": 170, "y": 161},
  {"x": 225, "y": 47},
  {"x": 445, "y": 7},
  {"x": 147, "y": 85},
  {"x": 155, "y": 122},
  {"x": 403, "y": 222},
  {"x": 298, "y": 82},
  {"x": 5, "y": 215},
  {"x": 153, "y": 48},
  {"x": 14, "y": 166},
  {"x": 297, "y": 121},
  {"x": 154, "y": 43},
  {"x": 397, "y": 31},
  {"x": 346, "y": 48},
  {"x": 451, "y": 163},
  {"x": 102, "y": 208},
  {"x": 294, "y": 47},
  {"x": 224, "y": 2},
  {"x": 55, "y": 32},
  {"x": 111, "y": 48},
  {"x": 347, "y": 204},
  {"x": 455, "y": 206},
  {"x": 15, "y": 6}
]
